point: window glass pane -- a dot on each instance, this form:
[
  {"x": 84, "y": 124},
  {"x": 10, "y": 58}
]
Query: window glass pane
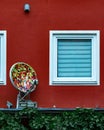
[{"x": 74, "y": 58}]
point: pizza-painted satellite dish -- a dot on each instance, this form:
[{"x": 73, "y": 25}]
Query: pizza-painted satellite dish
[{"x": 24, "y": 78}]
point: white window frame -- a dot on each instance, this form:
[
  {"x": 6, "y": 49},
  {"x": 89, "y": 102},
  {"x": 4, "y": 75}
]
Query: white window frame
[
  {"x": 94, "y": 35},
  {"x": 3, "y": 57}
]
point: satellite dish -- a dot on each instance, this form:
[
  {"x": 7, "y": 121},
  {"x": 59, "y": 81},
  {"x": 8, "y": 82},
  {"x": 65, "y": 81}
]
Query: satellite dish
[{"x": 23, "y": 77}]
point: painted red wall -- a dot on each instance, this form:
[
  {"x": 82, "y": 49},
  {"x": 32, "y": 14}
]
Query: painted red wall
[{"x": 28, "y": 41}]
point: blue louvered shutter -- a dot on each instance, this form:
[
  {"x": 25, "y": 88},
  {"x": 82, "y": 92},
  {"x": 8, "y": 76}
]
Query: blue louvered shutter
[{"x": 74, "y": 58}]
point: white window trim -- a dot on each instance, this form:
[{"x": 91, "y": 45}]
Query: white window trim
[
  {"x": 94, "y": 35},
  {"x": 3, "y": 58}
]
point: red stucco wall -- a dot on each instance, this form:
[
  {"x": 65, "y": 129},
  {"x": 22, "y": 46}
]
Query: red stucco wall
[{"x": 28, "y": 41}]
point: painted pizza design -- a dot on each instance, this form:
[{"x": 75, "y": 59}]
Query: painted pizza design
[{"x": 23, "y": 77}]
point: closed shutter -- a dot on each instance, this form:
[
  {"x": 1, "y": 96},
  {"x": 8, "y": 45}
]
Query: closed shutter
[{"x": 74, "y": 58}]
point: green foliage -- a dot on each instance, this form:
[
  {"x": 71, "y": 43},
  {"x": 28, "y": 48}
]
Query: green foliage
[
  {"x": 9, "y": 122},
  {"x": 83, "y": 119},
  {"x": 32, "y": 119}
]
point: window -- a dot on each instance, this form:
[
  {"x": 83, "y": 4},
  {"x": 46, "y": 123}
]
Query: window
[
  {"x": 74, "y": 58},
  {"x": 2, "y": 57}
]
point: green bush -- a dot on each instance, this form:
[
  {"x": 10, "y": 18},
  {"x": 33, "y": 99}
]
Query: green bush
[{"x": 33, "y": 119}]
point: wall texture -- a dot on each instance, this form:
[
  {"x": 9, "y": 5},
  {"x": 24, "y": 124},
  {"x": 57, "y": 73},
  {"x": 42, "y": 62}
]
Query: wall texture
[{"x": 28, "y": 41}]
